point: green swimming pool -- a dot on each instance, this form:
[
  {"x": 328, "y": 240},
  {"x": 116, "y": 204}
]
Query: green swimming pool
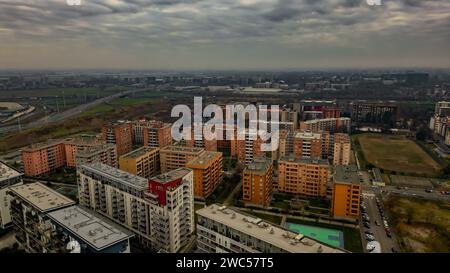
[{"x": 325, "y": 235}]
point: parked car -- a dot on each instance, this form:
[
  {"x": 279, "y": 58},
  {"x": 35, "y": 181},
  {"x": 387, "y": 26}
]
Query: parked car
[
  {"x": 428, "y": 190},
  {"x": 368, "y": 232},
  {"x": 377, "y": 223}
]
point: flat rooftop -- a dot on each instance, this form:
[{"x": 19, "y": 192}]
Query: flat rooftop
[
  {"x": 205, "y": 158},
  {"x": 295, "y": 159},
  {"x": 273, "y": 234},
  {"x": 92, "y": 150},
  {"x": 307, "y": 135},
  {"x": 93, "y": 229},
  {"x": 176, "y": 148},
  {"x": 7, "y": 172},
  {"x": 258, "y": 166},
  {"x": 139, "y": 152},
  {"x": 117, "y": 175},
  {"x": 41, "y": 197},
  {"x": 262, "y": 90},
  {"x": 326, "y": 119},
  {"x": 171, "y": 176},
  {"x": 346, "y": 174}
]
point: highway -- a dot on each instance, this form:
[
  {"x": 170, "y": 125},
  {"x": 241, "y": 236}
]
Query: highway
[{"x": 68, "y": 113}]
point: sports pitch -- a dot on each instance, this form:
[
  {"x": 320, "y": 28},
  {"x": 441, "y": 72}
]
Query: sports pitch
[
  {"x": 396, "y": 153},
  {"x": 325, "y": 235}
]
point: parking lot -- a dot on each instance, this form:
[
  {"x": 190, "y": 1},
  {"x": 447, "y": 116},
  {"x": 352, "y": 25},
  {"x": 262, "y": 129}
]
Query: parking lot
[{"x": 375, "y": 224}]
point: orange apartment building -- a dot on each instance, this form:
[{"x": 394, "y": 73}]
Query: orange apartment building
[
  {"x": 42, "y": 158},
  {"x": 174, "y": 156},
  {"x": 208, "y": 173},
  {"x": 143, "y": 162},
  {"x": 257, "y": 182},
  {"x": 308, "y": 145},
  {"x": 156, "y": 134},
  {"x": 303, "y": 176},
  {"x": 119, "y": 133},
  {"x": 342, "y": 149},
  {"x": 346, "y": 193}
]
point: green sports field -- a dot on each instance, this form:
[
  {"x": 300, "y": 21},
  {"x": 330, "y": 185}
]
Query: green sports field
[{"x": 328, "y": 236}]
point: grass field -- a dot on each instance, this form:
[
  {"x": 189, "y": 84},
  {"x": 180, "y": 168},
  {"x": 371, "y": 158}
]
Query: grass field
[
  {"x": 420, "y": 225},
  {"x": 396, "y": 153}
]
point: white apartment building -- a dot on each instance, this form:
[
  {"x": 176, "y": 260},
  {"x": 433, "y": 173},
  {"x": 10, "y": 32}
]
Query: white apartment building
[
  {"x": 224, "y": 230},
  {"x": 8, "y": 177}
]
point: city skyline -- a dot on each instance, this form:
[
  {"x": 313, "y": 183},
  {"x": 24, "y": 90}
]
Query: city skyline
[{"x": 222, "y": 35}]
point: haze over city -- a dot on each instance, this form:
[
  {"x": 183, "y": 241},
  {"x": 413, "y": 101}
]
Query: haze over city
[{"x": 223, "y": 34}]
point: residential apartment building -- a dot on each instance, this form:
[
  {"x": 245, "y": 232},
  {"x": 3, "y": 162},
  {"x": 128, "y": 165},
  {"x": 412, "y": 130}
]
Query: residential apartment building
[
  {"x": 104, "y": 153},
  {"x": 332, "y": 125},
  {"x": 225, "y": 230},
  {"x": 45, "y": 157},
  {"x": 374, "y": 112},
  {"x": 440, "y": 121},
  {"x": 342, "y": 149},
  {"x": 142, "y": 162},
  {"x": 303, "y": 176},
  {"x": 175, "y": 156},
  {"x": 118, "y": 195},
  {"x": 346, "y": 192},
  {"x": 159, "y": 211},
  {"x": 208, "y": 173},
  {"x": 257, "y": 182},
  {"x": 119, "y": 133},
  {"x": 30, "y": 205},
  {"x": 172, "y": 210},
  {"x": 308, "y": 144},
  {"x": 8, "y": 177},
  {"x": 84, "y": 231},
  {"x": 157, "y": 134}
]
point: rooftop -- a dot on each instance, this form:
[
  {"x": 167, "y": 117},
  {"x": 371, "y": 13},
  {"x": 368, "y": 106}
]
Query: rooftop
[
  {"x": 258, "y": 166},
  {"x": 262, "y": 90},
  {"x": 7, "y": 172},
  {"x": 139, "y": 152},
  {"x": 204, "y": 159},
  {"x": 326, "y": 119},
  {"x": 292, "y": 158},
  {"x": 171, "y": 176},
  {"x": 346, "y": 174},
  {"x": 307, "y": 135},
  {"x": 176, "y": 148},
  {"x": 91, "y": 150},
  {"x": 41, "y": 197},
  {"x": 273, "y": 234},
  {"x": 117, "y": 175},
  {"x": 94, "y": 230}
]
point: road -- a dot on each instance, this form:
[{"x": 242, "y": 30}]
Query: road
[
  {"x": 68, "y": 113},
  {"x": 369, "y": 198},
  {"x": 418, "y": 193}
]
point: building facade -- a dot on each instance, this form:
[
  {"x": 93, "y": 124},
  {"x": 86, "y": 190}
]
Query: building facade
[
  {"x": 342, "y": 149},
  {"x": 8, "y": 177},
  {"x": 174, "y": 156},
  {"x": 308, "y": 177},
  {"x": 308, "y": 144},
  {"x": 332, "y": 125},
  {"x": 257, "y": 182},
  {"x": 119, "y": 133},
  {"x": 224, "y": 230},
  {"x": 208, "y": 173},
  {"x": 346, "y": 192},
  {"x": 142, "y": 162}
]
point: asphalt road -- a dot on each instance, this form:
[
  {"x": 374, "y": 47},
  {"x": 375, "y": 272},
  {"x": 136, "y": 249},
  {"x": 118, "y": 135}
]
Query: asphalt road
[
  {"x": 415, "y": 192},
  {"x": 68, "y": 113},
  {"x": 369, "y": 198}
]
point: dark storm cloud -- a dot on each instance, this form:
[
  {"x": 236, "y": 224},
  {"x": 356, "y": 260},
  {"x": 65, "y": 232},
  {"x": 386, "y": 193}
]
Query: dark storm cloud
[{"x": 209, "y": 32}]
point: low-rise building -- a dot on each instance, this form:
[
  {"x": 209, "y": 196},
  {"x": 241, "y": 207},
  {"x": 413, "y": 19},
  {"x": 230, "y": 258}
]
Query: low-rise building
[{"x": 224, "y": 230}]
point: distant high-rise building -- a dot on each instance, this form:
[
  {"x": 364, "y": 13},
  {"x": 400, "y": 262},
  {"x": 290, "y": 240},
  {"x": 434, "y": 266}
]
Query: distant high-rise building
[
  {"x": 308, "y": 145},
  {"x": 374, "y": 112},
  {"x": 156, "y": 134},
  {"x": 119, "y": 133},
  {"x": 342, "y": 151},
  {"x": 332, "y": 125}
]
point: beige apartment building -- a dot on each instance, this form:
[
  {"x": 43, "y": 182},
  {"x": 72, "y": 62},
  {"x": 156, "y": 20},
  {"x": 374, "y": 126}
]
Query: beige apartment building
[
  {"x": 142, "y": 162},
  {"x": 208, "y": 173},
  {"x": 175, "y": 156}
]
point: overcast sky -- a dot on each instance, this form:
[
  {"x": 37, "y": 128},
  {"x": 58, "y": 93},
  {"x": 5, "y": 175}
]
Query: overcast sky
[{"x": 224, "y": 34}]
